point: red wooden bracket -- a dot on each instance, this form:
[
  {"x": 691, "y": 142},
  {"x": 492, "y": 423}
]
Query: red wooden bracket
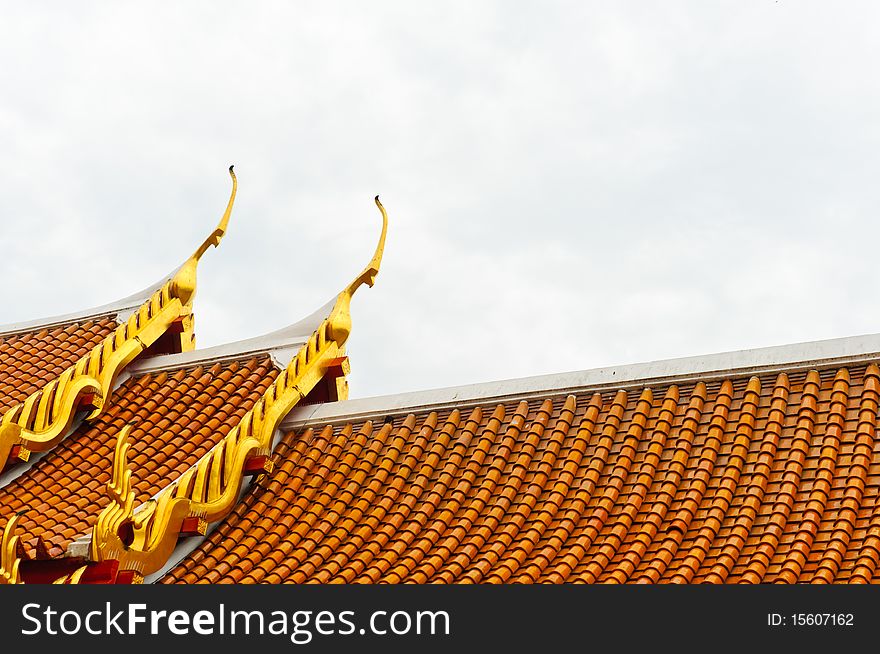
[
  {"x": 48, "y": 570},
  {"x": 194, "y": 526},
  {"x": 87, "y": 402},
  {"x": 176, "y": 327},
  {"x": 20, "y": 452},
  {"x": 129, "y": 577},
  {"x": 258, "y": 464},
  {"x": 338, "y": 367},
  {"x": 103, "y": 572}
]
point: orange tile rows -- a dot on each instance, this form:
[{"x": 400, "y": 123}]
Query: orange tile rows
[
  {"x": 177, "y": 417},
  {"x": 30, "y": 360},
  {"x": 770, "y": 479}
]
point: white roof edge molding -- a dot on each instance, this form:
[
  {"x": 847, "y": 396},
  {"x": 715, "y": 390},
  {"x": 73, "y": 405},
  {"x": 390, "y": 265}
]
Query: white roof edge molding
[
  {"x": 799, "y": 356},
  {"x": 120, "y": 310},
  {"x": 282, "y": 345}
]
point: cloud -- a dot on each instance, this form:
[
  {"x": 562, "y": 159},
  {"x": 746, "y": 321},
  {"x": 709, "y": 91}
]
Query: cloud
[{"x": 569, "y": 184}]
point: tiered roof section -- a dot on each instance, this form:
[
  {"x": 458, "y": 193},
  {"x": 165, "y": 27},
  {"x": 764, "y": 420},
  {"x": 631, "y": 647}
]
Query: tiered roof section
[
  {"x": 750, "y": 467},
  {"x": 195, "y": 424}
]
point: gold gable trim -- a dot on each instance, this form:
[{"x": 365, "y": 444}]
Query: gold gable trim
[{"x": 209, "y": 490}]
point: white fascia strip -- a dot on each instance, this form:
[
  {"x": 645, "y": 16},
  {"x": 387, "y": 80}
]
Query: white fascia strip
[
  {"x": 17, "y": 471},
  {"x": 120, "y": 310},
  {"x": 212, "y": 355},
  {"x": 281, "y": 345},
  {"x": 800, "y": 356}
]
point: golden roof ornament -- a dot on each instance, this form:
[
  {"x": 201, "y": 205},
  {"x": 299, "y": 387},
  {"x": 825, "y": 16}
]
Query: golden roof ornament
[
  {"x": 143, "y": 539},
  {"x": 47, "y": 415}
]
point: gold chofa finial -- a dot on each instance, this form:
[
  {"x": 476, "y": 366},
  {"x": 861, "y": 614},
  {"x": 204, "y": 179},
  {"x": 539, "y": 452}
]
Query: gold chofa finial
[
  {"x": 217, "y": 235},
  {"x": 368, "y": 276},
  {"x": 340, "y": 317},
  {"x": 185, "y": 279}
]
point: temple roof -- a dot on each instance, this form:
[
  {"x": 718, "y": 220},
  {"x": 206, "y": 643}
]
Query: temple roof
[
  {"x": 177, "y": 408},
  {"x": 247, "y": 463}
]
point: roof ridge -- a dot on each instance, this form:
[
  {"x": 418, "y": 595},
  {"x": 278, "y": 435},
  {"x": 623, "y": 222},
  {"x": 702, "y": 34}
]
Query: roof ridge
[{"x": 736, "y": 363}]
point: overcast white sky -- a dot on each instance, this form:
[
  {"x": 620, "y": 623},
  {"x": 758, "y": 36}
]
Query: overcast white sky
[{"x": 570, "y": 185}]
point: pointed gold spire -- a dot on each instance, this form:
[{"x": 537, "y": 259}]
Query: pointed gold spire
[
  {"x": 220, "y": 231},
  {"x": 184, "y": 281},
  {"x": 368, "y": 275},
  {"x": 340, "y": 317}
]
